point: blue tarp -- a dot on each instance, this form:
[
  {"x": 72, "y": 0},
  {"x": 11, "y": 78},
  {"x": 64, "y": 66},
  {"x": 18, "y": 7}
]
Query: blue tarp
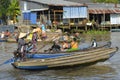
[
  {"x": 26, "y": 16},
  {"x": 33, "y": 18}
]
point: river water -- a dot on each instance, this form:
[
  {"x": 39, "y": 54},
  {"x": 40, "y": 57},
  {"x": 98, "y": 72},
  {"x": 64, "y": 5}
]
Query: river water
[{"x": 108, "y": 70}]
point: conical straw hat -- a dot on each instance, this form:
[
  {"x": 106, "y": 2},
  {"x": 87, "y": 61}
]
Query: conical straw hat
[
  {"x": 22, "y": 35},
  {"x": 34, "y": 30}
]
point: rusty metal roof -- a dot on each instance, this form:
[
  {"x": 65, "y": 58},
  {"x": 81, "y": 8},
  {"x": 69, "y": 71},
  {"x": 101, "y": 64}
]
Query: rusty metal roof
[
  {"x": 56, "y": 2},
  {"x": 103, "y": 11}
]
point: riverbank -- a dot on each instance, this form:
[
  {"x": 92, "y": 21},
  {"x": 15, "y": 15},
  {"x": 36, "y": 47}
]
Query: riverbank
[
  {"x": 98, "y": 35},
  {"x": 88, "y": 36}
]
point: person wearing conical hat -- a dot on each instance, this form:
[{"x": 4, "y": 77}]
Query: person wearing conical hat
[
  {"x": 22, "y": 35},
  {"x": 21, "y": 45},
  {"x": 21, "y": 40}
]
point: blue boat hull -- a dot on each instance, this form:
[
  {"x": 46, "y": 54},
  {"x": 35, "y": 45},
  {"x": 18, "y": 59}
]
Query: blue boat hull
[
  {"x": 32, "y": 67},
  {"x": 43, "y": 56}
]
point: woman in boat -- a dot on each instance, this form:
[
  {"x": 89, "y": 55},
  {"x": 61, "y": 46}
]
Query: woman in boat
[
  {"x": 34, "y": 40},
  {"x": 44, "y": 35},
  {"x": 39, "y": 32},
  {"x": 73, "y": 45},
  {"x": 77, "y": 36},
  {"x": 55, "y": 47},
  {"x": 65, "y": 46}
]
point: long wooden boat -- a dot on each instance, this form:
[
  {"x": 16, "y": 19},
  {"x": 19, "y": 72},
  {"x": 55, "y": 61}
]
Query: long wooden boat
[{"x": 72, "y": 59}]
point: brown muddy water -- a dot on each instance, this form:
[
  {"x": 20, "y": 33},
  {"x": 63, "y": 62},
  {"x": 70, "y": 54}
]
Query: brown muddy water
[{"x": 108, "y": 70}]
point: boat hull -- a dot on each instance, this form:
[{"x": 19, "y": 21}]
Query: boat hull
[{"x": 78, "y": 58}]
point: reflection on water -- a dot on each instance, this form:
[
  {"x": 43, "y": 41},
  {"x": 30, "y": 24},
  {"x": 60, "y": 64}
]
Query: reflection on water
[
  {"x": 63, "y": 74},
  {"x": 102, "y": 71},
  {"x": 86, "y": 71},
  {"x": 2, "y": 47}
]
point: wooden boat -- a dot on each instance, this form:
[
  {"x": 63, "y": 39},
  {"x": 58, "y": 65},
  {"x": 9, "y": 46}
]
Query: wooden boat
[
  {"x": 72, "y": 59},
  {"x": 115, "y": 30},
  {"x": 3, "y": 40}
]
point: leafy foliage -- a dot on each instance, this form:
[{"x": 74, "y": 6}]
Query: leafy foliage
[
  {"x": 4, "y": 4},
  {"x": 9, "y": 8},
  {"x": 107, "y": 1},
  {"x": 14, "y": 10},
  {"x": 94, "y": 32}
]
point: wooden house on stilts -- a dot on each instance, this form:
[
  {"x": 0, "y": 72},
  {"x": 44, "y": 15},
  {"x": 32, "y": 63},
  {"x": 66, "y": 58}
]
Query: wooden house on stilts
[
  {"x": 104, "y": 15},
  {"x": 55, "y": 13}
]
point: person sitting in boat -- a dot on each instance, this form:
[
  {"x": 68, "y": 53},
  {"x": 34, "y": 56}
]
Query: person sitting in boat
[
  {"x": 94, "y": 43},
  {"x": 77, "y": 36},
  {"x": 39, "y": 32},
  {"x": 7, "y": 34},
  {"x": 34, "y": 40},
  {"x": 44, "y": 35},
  {"x": 21, "y": 50},
  {"x": 73, "y": 45},
  {"x": 55, "y": 47},
  {"x": 65, "y": 46}
]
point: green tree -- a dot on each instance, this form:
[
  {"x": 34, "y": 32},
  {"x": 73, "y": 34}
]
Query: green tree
[
  {"x": 9, "y": 8},
  {"x": 106, "y": 1},
  {"x": 118, "y": 1},
  {"x": 4, "y": 5},
  {"x": 14, "y": 10}
]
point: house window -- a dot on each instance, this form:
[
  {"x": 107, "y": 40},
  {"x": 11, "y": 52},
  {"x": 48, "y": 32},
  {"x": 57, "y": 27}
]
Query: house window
[{"x": 75, "y": 12}]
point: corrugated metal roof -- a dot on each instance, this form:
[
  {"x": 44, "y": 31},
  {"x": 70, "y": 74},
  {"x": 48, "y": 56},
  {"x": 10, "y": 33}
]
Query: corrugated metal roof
[
  {"x": 81, "y": 1},
  {"x": 57, "y": 2},
  {"x": 103, "y": 11},
  {"x": 101, "y": 5}
]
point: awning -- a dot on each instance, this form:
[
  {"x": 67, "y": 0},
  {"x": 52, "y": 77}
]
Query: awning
[
  {"x": 43, "y": 9},
  {"x": 103, "y": 11}
]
